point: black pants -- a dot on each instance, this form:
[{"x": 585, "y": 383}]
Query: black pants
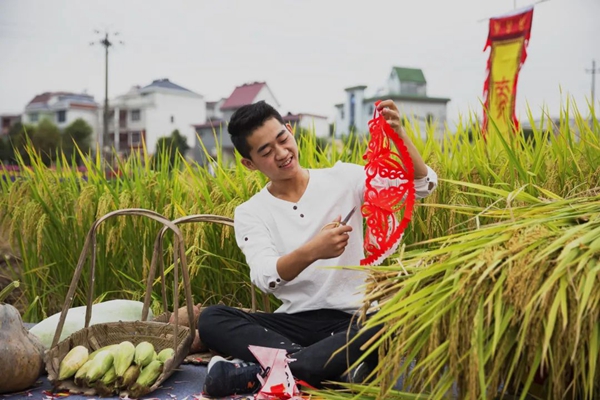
[{"x": 310, "y": 337}]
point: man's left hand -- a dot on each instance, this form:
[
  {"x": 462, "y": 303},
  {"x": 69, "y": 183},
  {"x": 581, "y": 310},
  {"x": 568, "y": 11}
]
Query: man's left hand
[{"x": 391, "y": 114}]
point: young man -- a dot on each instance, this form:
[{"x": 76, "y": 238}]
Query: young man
[{"x": 287, "y": 235}]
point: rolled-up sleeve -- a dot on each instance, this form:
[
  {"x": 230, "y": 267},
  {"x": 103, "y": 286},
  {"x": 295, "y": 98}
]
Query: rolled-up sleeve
[
  {"x": 255, "y": 241},
  {"x": 425, "y": 186}
]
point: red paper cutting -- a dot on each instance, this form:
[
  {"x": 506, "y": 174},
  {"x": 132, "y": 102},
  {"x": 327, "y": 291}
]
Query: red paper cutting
[{"x": 383, "y": 202}]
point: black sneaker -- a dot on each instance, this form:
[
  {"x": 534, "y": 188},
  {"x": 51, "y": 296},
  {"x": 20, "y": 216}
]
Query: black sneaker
[
  {"x": 225, "y": 378},
  {"x": 359, "y": 374}
]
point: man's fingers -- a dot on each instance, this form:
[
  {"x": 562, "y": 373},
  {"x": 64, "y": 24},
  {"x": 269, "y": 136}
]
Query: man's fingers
[
  {"x": 391, "y": 114},
  {"x": 344, "y": 229},
  {"x": 389, "y": 104}
]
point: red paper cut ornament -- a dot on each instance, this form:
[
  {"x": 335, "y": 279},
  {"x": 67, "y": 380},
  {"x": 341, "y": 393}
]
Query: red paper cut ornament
[{"x": 381, "y": 201}]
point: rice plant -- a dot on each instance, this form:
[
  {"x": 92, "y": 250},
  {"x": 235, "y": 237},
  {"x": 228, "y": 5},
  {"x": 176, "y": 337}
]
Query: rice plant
[{"x": 495, "y": 279}]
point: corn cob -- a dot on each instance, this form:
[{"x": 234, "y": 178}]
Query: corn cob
[
  {"x": 130, "y": 376},
  {"x": 146, "y": 379},
  {"x": 123, "y": 357},
  {"x": 100, "y": 364},
  {"x": 110, "y": 347},
  {"x": 166, "y": 354},
  {"x": 105, "y": 386},
  {"x": 81, "y": 372},
  {"x": 74, "y": 360},
  {"x": 110, "y": 376},
  {"x": 144, "y": 352}
]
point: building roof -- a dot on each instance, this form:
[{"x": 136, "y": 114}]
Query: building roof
[
  {"x": 64, "y": 100},
  {"x": 357, "y": 87},
  {"x": 410, "y": 74},
  {"x": 408, "y": 97},
  {"x": 211, "y": 123},
  {"x": 243, "y": 95},
  {"x": 289, "y": 117},
  {"x": 165, "y": 84},
  {"x": 77, "y": 97}
]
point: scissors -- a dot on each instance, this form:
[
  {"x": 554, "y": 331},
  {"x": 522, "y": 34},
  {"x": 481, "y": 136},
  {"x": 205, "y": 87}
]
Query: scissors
[{"x": 343, "y": 222}]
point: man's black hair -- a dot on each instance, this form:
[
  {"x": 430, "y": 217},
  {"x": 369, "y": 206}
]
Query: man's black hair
[{"x": 245, "y": 120}]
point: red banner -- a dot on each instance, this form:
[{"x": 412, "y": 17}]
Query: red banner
[{"x": 508, "y": 38}]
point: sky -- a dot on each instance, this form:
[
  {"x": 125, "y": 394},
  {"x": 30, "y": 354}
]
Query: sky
[{"x": 307, "y": 51}]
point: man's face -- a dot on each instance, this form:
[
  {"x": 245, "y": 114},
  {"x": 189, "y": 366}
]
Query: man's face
[{"x": 273, "y": 151}]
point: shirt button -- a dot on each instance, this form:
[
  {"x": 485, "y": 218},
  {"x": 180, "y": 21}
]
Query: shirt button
[
  {"x": 295, "y": 207},
  {"x": 272, "y": 285},
  {"x": 301, "y": 215},
  {"x": 246, "y": 239}
]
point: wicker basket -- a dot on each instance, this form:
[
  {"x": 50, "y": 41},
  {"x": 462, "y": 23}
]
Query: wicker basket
[{"x": 160, "y": 334}]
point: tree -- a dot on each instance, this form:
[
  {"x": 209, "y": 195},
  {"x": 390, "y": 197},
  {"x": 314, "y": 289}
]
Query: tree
[
  {"x": 16, "y": 142},
  {"x": 6, "y": 152},
  {"x": 77, "y": 134},
  {"x": 169, "y": 147},
  {"x": 46, "y": 140}
]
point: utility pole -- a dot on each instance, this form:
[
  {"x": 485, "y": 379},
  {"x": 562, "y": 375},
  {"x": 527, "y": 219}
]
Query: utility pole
[
  {"x": 593, "y": 71},
  {"x": 106, "y": 43}
]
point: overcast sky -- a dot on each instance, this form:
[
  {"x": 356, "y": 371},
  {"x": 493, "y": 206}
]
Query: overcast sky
[{"x": 308, "y": 51}]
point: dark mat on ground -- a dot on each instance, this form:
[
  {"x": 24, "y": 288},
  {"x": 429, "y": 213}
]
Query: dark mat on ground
[{"x": 185, "y": 383}]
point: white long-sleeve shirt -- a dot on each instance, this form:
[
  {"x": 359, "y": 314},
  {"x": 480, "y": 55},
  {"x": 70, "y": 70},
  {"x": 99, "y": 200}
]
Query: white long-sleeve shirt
[{"x": 267, "y": 228}]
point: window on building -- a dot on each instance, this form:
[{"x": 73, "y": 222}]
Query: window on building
[
  {"x": 409, "y": 88},
  {"x": 352, "y": 110},
  {"x": 342, "y": 112},
  {"x": 172, "y": 118},
  {"x": 136, "y": 138},
  {"x": 429, "y": 118},
  {"x": 61, "y": 116},
  {"x": 34, "y": 117},
  {"x": 136, "y": 115},
  {"x": 123, "y": 139}
]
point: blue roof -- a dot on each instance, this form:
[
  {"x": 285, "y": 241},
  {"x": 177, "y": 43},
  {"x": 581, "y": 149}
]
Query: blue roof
[{"x": 166, "y": 84}]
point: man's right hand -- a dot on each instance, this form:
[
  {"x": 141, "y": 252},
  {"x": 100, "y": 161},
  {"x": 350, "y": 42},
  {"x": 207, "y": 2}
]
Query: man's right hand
[{"x": 329, "y": 243}]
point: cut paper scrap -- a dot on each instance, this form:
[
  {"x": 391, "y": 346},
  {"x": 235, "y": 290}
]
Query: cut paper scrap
[
  {"x": 278, "y": 382},
  {"x": 389, "y": 191}
]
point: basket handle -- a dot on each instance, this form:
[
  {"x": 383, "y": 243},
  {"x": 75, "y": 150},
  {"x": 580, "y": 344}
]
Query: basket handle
[
  {"x": 178, "y": 255},
  {"x": 158, "y": 249},
  {"x": 158, "y": 258}
]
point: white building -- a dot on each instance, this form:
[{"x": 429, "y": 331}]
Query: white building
[
  {"x": 219, "y": 113},
  {"x": 150, "y": 112},
  {"x": 62, "y": 108},
  {"x": 308, "y": 123},
  {"x": 213, "y": 133},
  {"x": 408, "y": 88}
]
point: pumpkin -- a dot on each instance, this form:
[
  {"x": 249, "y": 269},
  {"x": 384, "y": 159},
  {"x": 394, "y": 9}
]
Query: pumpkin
[{"x": 21, "y": 353}]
